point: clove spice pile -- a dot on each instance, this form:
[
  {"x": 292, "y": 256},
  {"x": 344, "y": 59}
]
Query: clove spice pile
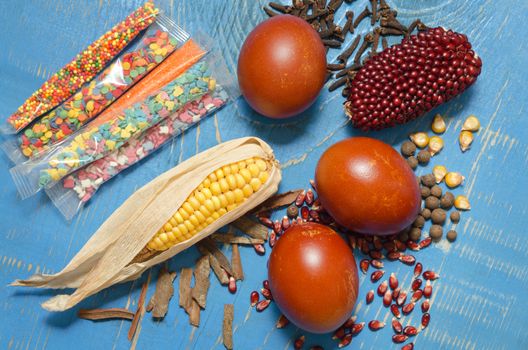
[{"x": 320, "y": 14}]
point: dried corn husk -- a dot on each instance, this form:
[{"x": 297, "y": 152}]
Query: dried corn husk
[{"x": 106, "y": 259}]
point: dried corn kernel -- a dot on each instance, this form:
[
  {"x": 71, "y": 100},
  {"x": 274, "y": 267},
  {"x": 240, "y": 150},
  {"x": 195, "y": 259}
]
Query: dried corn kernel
[
  {"x": 435, "y": 145},
  {"x": 471, "y": 124},
  {"x": 222, "y": 191},
  {"x": 438, "y": 125},
  {"x": 420, "y": 139},
  {"x": 439, "y": 172},
  {"x": 453, "y": 179},
  {"x": 462, "y": 203},
  {"x": 465, "y": 139}
]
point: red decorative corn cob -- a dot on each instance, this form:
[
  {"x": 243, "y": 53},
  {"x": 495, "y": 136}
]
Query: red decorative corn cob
[{"x": 407, "y": 80}]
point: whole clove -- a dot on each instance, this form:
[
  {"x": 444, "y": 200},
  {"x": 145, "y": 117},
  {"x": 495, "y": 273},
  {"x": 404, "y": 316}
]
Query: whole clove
[
  {"x": 374, "y": 17},
  {"x": 269, "y": 11},
  {"x": 384, "y": 43},
  {"x": 412, "y": 27},
  {"x": 343, "y": 57},
  {"x": 331, "y": 43},
  {"x": 391, "y": 31},
  {"x": 353, "y": 68},
  {"x": 366, "y": 12},
  {"x": 392, "y": 23},
  {"x": 339, "y": 82},
  {"x": 279, "y": 7},
  {"x": 348, "y": 24},
  {"x": 367, "y": 40},
  {"x": 375, "y": 41},
  {"x": 316, "y": 14},
  {"x": 335, "y": 66}
]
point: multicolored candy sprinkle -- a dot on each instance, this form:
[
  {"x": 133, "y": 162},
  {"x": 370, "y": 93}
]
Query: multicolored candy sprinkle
[
  {"x": 105, "y": 137},
  {"x": 83, "y": 67},
  {"x": 86, "y": 181},
  {"x": 98, "y": 94}
]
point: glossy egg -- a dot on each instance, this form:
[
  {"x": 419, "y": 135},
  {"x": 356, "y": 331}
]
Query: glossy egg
[
  {"x": 367, "y": 187},
  {"x": 313, "y": 277},
  {"x": 282, "y": 66}
]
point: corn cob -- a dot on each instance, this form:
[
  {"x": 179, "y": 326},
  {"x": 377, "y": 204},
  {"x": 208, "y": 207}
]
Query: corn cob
[{"x": 222, "y": 191}]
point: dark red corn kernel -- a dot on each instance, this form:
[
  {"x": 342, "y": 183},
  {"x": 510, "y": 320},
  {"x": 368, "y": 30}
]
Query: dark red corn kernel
[
  {"x": 401, "y": 298},
  {"x": 389, "y": 246},
  {"x": 364, "y": 246},
  {"x": 282, "y": 322},
  {"x": 425, "y": 305},
  {"x": 305, "y": 213},
  {"x": 393, "y": 281},
  {"x": 399, "y": 338},
  {"x": 277, "y": 227},
  {"x": 298, "y": 343},
  {"x": 350, "y": 322},
  {"x": 428, "y": 289},
  {"x": 410, "y": 331},
  {"x": 375, "y": 325},
  {"x": 430, "y": 275},
  {"x": 407, "y": 309},
  {"x": 272, "y": 239},
  {"x": 364, "y": 265},
  {"x": 387, "y": 298},
  {"x": 357, "y": 328},
  {"x": 317, "y": 205},
  {"x": 418, "y": 270},
  {"x": 266, "y": 293},
  {"x": 263, "y": 305},
  {"x": 394, "y": 255},
  {"x": 376, "y": 276},
  {"x": 382, "y": 288},
  {"x": 309, "y": 197},
  {"x": 397, "y": 326},
  {"x": 285, "y": 224},
  {"x": 347, "y": 339},
  {"x": 265, "y": 284},
  {"x": 259, "y": 248},
  {"x": 409, "y": 346},
  {"x": 339, "y": 333},
  {"x": 370, "y": 296},
  {"x": 417, "y": 72},
  {"x": 377, "y": 243},
  {"x": 408, "y": 259},
  {"x": 266, "y": 221},
  {"x": 413, "y": 245},
  {"x": 300, "y": 198},
  {"x": 352, "y": 241},
  {"x": 376, "y": 254},
  {"x": 254, "y": 298},
  {"x": 416, "y": 284},
  {"x": 395, "y": 310},
  {"x": 396, "y": 293},
  {"x": 417, "y": 295},
  {"x": 314, "y": 215},
  {"x": 231, "y": 286},
  {"x": 377, "y": 264},
  {"x": 425, "y": 243},
  {"x": 400, "y": 245},
  {"x": 426, "y": 317}
]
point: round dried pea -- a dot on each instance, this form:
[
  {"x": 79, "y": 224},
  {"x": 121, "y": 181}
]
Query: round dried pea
[
  {"x": 403, "y": 236},
  {"x": 451, "y": 235},
  {"x": 447, "y": 200},
  {"x": 408, "y": 149},
  {"x": 436, "y": 191},
  {"x": 419, "y": 221},
  {"x": 435, "y": 232},
  {"x": 413, "y": 162},
  {"x": 455, "y": 217},
  {"x": 432, "y": 203},
  {"x": 425, "y": 191},
  {"x": 423, "y": 157},
  {"x": 438, "y": 216},
  {"x": 426, "y": 213},
  {"x": 428, "y": 180},
  {"x": 415, "y": 234}
]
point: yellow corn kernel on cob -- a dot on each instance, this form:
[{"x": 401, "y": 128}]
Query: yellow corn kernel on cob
[{"x": 222, "y": 191}]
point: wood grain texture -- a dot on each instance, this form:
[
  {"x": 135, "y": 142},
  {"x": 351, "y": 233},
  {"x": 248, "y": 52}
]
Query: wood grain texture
[{"x": 480, "y": 301}]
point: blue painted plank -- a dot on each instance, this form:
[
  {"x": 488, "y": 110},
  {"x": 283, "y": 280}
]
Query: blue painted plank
[{"x": 479, "y": 302}]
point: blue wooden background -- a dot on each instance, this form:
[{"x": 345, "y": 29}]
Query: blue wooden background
[{"x": 480, "y": 301}]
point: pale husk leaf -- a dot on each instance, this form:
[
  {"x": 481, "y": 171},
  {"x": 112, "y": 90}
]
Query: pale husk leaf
[{"x": 105, "y": 259}]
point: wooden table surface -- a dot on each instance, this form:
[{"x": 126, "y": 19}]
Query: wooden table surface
[{"x": 479, "y": 302}]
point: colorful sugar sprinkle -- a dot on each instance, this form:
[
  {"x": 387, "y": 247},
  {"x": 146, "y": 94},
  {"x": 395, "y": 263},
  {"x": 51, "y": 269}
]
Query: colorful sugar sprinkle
[
  {"x": 96, "y": 95},
  {"x": 86, "y": 181},
  {"x": 83, "y": 67}
]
